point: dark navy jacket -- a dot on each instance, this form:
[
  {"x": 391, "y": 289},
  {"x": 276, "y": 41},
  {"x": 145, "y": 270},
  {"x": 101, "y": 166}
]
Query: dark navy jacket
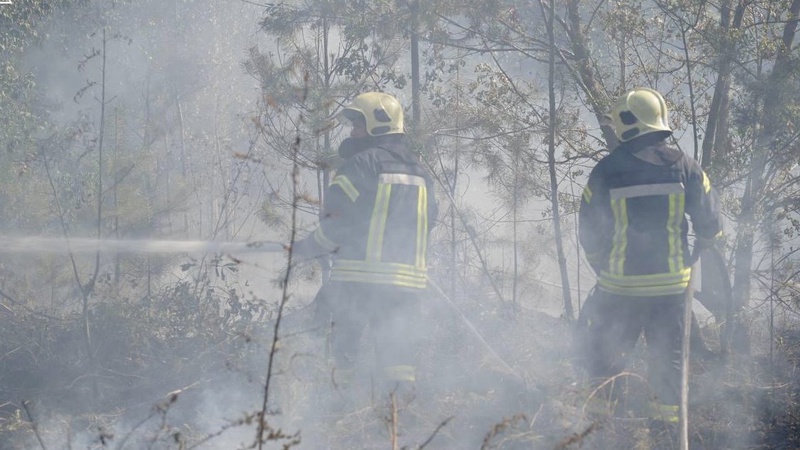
[
  {"x": 633, "y": 224},
  {"x": 377, "y": 214}
]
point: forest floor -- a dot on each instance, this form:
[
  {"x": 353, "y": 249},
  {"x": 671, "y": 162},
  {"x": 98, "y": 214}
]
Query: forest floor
[
  {"x": 498, "y": 381},
  {"x": 516, "y": 387}
]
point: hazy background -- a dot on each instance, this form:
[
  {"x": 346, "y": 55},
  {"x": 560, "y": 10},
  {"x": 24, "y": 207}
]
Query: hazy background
[{"x": 182, "y": 119}]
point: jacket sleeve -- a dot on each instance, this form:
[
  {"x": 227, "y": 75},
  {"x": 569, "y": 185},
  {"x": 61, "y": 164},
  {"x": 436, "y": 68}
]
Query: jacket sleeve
[
  {"x": 596, "y": 224},
  {"x": 433, "y": 205},
  {"x": 321, "y": 242},
  {"x": 343, "y": 197},
  {"x": 702, "y": 204}
]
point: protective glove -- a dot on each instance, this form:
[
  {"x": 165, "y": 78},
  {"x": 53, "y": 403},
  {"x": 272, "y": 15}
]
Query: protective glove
[
  {"x": 703, "y": 243},
  {"x": 597, "y": 261}
]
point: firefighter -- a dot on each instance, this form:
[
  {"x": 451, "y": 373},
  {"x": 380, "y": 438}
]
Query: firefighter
[
  {"x": 377, "y": 215},
  {"x": 633, "y": 229}
]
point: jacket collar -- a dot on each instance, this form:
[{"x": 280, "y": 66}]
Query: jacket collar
[{"x": 353, "y": 146}]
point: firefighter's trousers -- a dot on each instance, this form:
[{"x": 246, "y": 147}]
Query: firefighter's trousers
[
  {"x": 612, "y": 326},
  {"x": 362, "y": 315}
]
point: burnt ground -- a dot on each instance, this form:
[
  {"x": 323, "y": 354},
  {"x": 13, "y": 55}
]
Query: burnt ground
[
  {"x": 515, "y": 387},
  {"x": 467, "y": 398}
]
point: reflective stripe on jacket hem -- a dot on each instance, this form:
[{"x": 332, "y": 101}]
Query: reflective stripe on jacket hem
[
  {"x": 381, "y": 278},
  {"x": 646, "y": 285},
  {"x": 643, "y": 291},
  {"x": 397, "y": 274},
  {"x": 657, "y": 279}
]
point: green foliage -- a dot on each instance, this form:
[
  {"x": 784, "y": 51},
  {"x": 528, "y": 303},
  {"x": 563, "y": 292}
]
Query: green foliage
[
  {"x": 171, "y": 128},
  {"x": 186, "y": 334},
  {"x": 325, "y": 53}
]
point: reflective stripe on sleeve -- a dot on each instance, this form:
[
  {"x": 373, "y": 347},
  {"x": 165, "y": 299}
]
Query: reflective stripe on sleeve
[
  {"x": 347, "y": 186},
  {"x": 587, "y": 195},
  {"x": 323, "y": 241}
]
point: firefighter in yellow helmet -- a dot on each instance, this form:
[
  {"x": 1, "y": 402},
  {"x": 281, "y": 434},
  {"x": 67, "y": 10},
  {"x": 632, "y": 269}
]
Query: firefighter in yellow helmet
[
  {"x": 377, "y": 215},
  {"x": 633, "y": 228}
]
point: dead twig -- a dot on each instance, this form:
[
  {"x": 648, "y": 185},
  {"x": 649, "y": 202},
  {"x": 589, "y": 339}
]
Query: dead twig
[
  {"x": 391, "y": 421},
  {"x": 576, "y": 438},
  {"x": 35, "y": 427},
  {"x": 500, "y": 427},
  {"x": 435, "y": 432}
]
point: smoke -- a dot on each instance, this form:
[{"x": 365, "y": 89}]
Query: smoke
[{"x": 180, "y": 344}]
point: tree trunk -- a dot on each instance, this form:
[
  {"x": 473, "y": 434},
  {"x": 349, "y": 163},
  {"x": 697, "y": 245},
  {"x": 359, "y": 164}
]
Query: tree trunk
[
  {"x": 715, "y": 140},
  {"x": 751, "y": 203},
  {"x": 551, "y": 163}
]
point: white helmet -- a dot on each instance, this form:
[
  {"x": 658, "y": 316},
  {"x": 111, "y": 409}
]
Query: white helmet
[
  {"x": 638, "y": 112},
  {"x": 382, "y": 113}
]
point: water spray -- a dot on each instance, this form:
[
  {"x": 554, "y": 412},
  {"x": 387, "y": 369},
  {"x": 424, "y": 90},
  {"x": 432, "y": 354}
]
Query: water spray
[{"x": 42, "y": 244}]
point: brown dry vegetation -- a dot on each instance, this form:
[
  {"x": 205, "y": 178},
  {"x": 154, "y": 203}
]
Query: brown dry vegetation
[{"x": 157, "y": 365}]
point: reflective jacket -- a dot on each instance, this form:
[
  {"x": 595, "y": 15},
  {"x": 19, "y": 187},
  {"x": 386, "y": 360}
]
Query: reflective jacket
[
  {"x": 377, "y": 214},
  {"x": 633, "y": 224}
]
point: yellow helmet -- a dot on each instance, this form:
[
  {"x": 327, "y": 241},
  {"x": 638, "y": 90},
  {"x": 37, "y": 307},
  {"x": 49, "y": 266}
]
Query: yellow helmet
[
  {"x": 639, "y": 112},
  {"x": 382, "y": 113}
]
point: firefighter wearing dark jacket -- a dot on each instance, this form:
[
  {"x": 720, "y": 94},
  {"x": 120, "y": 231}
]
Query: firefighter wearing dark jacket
[
  {"x": 377, "y": 215},
  {"x": 633, "y": 229}
]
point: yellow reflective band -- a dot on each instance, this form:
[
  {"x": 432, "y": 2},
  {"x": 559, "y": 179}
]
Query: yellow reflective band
[
  {"x": 587, "y": 195},
  {"x": 657, "y": 279},
  {"x": 646, "y": 285},
  {"x": 644, "y": 291},
  {"x": 377, "y": 224},
  {"x": 620, "y": 241},
  {"x": 706, "y": 184},
  {"x": 644, "y": 190},
  {"x": 348, "y": 188},
  {"x": 323, "y": 241},
  {"x": 422, "y": 225},
  {"x": 352, "y": 265},
  {"x": 666, "y": 413},
  {"x": 381, "y": 278},
  {"x": 401, "y": 178},
  {"x": 400, "y": 373},
  {"x": 674, "y": 234},
  {"x": 397, "y": 274}
]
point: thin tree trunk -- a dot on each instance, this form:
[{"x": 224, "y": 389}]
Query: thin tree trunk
[
  {"x": 715, "y": 140},
  {"x": 415, "y": 82},
  {"x": 751, "y": 203},
  {"x": 683, "y": 435},
  {"x": 325, "y": 263},
  {"x": 182, "y": 143},
  {"x": 115, "y": 168},
  {"x": 515, "y": 242},
  {"x": 89, "y": 286},
  {"x": 551, "y": 162},
  {"x": 587, "y": 77}
]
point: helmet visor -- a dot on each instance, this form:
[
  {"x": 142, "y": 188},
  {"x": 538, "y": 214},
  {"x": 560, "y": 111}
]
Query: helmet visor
[{"x": 351, "y": 117}]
